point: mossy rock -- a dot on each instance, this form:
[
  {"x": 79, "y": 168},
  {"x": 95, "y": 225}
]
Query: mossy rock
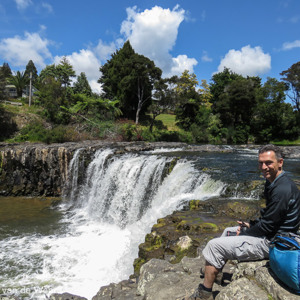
[
  {"x": 138, "y": 262},
  {"x": 194, "y": 204},
  {"x": 209, "y": 227}
]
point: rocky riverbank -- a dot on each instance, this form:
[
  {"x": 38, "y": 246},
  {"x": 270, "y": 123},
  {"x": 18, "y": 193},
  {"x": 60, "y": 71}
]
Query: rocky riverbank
[{"x": 170, "y": 259}]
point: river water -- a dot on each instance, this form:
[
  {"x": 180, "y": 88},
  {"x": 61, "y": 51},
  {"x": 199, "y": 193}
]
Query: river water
[{"x": 92, "y": 238}]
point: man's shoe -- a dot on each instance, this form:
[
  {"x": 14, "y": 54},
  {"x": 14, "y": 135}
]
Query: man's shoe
[
  {"x": 219, "y": 278},
  {"x": 200, "y": 294}
]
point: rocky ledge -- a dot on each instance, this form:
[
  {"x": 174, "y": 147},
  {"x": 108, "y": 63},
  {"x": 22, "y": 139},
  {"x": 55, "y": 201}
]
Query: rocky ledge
[
  {"x": 168, "y": 266},
  {"x": 42, "y": 170}
]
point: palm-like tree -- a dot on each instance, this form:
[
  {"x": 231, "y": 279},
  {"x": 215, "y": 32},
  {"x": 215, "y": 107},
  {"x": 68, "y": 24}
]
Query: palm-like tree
[{"x": 19, "y": 80}]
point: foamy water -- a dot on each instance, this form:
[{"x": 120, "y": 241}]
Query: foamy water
[{"x": 102, "y": 225}]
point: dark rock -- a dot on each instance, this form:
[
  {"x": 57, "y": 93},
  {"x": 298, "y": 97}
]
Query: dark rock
[{"x": 66, "y": 296}]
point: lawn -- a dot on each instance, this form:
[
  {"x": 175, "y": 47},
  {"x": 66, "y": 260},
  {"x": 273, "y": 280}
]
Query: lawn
[{"x": 169, "y": 121}]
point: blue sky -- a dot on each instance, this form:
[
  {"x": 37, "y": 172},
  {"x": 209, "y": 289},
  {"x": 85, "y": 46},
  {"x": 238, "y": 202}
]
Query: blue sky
[{"x": 251, "y": 37}]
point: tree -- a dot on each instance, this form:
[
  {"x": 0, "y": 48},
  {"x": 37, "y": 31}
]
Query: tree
[
  {"x": 146, "y": 75},
  {"x": 186, "y": 87},
  {"x": 129, "y": 77},
  {"x": 82, "y": 86},
  {"x": 234, "y": 99},
  {"x": 6, "y": 71},
  {"x": 20, "y": 81},
  {"x": 2, "y": 84},
  {"x": 52, "y": 95},
  {"x": 65, "y": 71},
  {"x": 273, "y": 118},
  {"x": 292, "y": 78},
  {"x": 162, "y": 99},
  {"x": 205, "y": 93},
  {"x": 30, "y": 68}
]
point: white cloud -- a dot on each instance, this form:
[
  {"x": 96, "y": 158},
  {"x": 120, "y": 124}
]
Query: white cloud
[
  {"x": 104, "y": 50},
  {"x": 87, "y": 62},
  {"x": 19, "y": 50},
  {"x": 153, "y": 33},
  {"x": 247, "y": 61},
  {"x": 291, "y": 45},
  {"x": 182, "y": 63},
  {"x": 23, "y": 4},
  {"x": 48, "y": 7},
  {"x": 205, "y": 57}
]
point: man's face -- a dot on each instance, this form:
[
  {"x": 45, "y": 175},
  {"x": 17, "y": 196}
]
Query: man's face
[{"x": 269, "y": 165}]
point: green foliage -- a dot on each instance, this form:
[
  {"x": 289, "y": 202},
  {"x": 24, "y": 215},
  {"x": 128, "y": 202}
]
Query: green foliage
[
  {"x": 291, "y": 77},
  {"x": 93, "y": 109},
  {"x": 82, "y": 86},
  {"x": 30, "y": 68},
  {"x": 35, "y": 132},
  {"x": 129, "y": 77},
  {"x": 274, "y": 119},
  {"x": 7, "y": 125},
  {"x": 52, "y": 96},
  {"x": 132, "y": 132},
  {"x": 5, "y": 69},
  {"x": 2, "y": 84},
  {"x": 20, "y": 81}
]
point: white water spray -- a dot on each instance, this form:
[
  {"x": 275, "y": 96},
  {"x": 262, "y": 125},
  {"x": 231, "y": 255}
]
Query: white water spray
[{"x": 119, "y": 202}]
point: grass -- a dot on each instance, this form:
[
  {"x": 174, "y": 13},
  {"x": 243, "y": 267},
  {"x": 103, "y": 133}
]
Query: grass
[
  {"x": 287, "y": 143},
  {"x": 169, "y": 121}
]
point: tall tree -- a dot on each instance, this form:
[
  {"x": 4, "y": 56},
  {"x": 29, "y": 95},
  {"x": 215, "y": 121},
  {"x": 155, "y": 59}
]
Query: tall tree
[
  {"x": 292, "y": 78},
  {"x": 234, "y": 99},
  {"x": 30, "y": 68},
  {"x": 129, "y": 77},
  {"x": 273, "y": 119},
  {"x": 2, "y": 84},
  {"x": 20, "y": 81},
  {"x": 65, "y": 71},
  {"x": 6, "y": 71},
  {"x": 82, "y": 86}
]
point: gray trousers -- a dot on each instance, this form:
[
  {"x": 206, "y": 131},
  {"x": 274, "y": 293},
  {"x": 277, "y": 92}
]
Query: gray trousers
[{"x": 241, "y": 248}]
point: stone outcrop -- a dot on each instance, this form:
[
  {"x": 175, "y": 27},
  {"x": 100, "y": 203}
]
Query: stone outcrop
[
  {"x": 42, "y": 170},
  {"x": 162, "y": 280}
]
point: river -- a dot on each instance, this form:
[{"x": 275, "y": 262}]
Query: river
[{"x": 91, "y": 238}]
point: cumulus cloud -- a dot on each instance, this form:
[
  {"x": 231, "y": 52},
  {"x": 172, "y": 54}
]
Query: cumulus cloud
[
  {"x": 23, "y": 4},
  {"x": 247, "y": 61},
  {"x": 19, "y": 50},
  {"x": 104, "y": 50},
  {"x": 87, "y": 62},
  {"x": 182, "y": 63},
  {"x": 153, "y": 33},
  {"x": 291, "y": 45}
]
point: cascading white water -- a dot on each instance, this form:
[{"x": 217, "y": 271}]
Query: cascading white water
[{"x": 98, "y": 240}]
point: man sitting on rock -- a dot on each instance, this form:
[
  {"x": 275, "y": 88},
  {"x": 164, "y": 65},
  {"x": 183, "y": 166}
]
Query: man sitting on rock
[{"x": 251, "y": 241}]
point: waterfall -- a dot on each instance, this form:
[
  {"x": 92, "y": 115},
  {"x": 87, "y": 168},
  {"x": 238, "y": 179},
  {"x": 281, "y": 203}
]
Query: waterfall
[
  {"x": 121, "y": 189},
  {"x": 112, "y": 204}
]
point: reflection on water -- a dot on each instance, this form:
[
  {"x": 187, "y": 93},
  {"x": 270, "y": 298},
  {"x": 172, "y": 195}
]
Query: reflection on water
[{"x": 26, "y": 215}]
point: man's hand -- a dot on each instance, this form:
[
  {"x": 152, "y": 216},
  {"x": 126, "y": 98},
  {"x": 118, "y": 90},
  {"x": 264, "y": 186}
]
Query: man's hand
[{"x": 242, "y": 224}]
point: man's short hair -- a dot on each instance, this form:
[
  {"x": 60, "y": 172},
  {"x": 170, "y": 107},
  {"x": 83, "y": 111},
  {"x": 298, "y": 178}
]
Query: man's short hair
[{"x": 271, "y": 147}]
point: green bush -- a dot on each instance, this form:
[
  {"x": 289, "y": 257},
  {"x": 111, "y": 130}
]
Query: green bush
[{"x": 35, "y": 132}]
